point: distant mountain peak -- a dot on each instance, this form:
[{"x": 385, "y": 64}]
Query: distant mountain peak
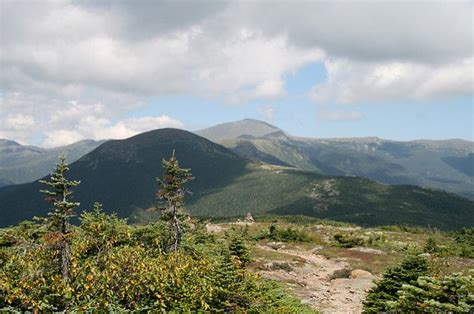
[{"x": 246, "y": 127}]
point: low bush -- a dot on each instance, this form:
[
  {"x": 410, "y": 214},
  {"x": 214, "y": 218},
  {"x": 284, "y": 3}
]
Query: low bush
[
  {"x": 284, "y": 235},
  {"x": 348, "y": 240},
  {"x": 117, "y": 267}
]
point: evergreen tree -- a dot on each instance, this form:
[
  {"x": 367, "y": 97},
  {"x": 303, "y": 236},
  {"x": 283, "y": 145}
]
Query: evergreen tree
[
  {"x": 238, "y": 248},
  {"x": 449, "y": 294},
  {"x": 171, "y": 195},
  {"x": 385, "y": 291},
  {"x": 60, "y": 195}
]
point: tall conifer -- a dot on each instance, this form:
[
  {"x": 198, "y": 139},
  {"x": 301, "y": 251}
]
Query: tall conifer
[
  {"x": 171, "y": 196},
  {"x": 60, "y": 195}
]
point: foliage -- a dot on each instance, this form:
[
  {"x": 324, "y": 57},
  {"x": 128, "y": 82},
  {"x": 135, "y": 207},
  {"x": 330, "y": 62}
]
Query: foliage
[
  {"x": 348, "y": 240},
  {"x": 465, "y": 242},
  {"x": 60, "y": 195},
  {"x": 239, "y": 249},
  {"x": 453, "y": 293},
  {"x": 118, "y": 267},
  {"x": 171, "y": 194},
  {"x": 386, "y": 289},
  {"x": 431, "y": 246},
  {"x": 284, "y": 235}
]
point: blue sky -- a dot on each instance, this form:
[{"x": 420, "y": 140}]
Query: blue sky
[
  {"x": 297, "y": 114},
  {"x": 74, "y": 70}
]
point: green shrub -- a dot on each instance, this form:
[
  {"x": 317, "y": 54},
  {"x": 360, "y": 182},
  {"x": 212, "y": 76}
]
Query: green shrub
[
  {"x": 281, "y": 266},
  {"x": 449, "y": 294},
  {"x": 348, "y": 240},
  {"x": 284, "y": 235},
  {"x": 385, "y": 290},
  {"x": 431, "y": 246},
  {"x": 116, "y": 267},
  {"x": 341, "y": 273},
  {"x": 239, "y": 249},
  {"x": 464, "y": 239}
]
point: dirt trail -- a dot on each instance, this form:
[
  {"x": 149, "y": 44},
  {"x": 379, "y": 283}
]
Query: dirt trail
[{"x": 311, "y": 282}]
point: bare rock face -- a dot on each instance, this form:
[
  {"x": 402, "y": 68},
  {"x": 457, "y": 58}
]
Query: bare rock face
[
  {"x": 249, "y": 218},
  {"x": 359, "y": 273}
]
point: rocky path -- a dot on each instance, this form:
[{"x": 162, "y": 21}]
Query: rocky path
[{"x": 311, "y": 282}]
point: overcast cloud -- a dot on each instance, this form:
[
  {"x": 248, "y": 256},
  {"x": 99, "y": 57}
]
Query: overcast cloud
[{"x": 67, "y": 64}]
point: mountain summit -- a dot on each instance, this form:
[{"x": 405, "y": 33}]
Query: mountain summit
[{"x": 243, "y": 128}]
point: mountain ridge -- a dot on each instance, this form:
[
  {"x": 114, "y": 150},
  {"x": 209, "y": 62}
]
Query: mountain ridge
[{"x": 121, "y": 174}]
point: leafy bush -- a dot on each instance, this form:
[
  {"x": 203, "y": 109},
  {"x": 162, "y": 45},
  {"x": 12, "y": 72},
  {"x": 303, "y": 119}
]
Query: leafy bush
[
  {"x": 283, "y": 266},
  {"x": 341, "y": 273},
  {"x": 348, "y": 240},
  {"x": 285, "y": 235},
  {"x": 386, "y": 289},
  {"x": 465, "y": 242},
  {"x": 117, "y": 267},
  {"x": 431, "y": 246}
]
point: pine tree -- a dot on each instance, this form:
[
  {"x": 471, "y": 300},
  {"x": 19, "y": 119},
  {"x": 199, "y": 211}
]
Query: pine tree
[
  {"x": 449, "y": 294},
  {"x": 238, "y": 248},
  {"x": 171, "y": 195},
  {"x": 57, "y": 222},
  {"x": 385, "y": 291}
]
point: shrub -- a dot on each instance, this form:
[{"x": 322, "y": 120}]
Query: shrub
[
  {"x": 453, "y": 294},
  {"x": 386, "y": 289},
  {"x": 348, "y": 240},
  {"x": 283, "y": 266},
  {"x": 284, "y": 235},
  {"x": 239, "y": 249},
  {"x": 430, "y": 246},
  {"x": 341, "y": 273}
]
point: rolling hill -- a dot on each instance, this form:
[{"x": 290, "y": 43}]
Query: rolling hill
[
  {"x": 121, "y": 174},
  {"x": 447, "y": 164},
  {"x": 21, "y": 164}
]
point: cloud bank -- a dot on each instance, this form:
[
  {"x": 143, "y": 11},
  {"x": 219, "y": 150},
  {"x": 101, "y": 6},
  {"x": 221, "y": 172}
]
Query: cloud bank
[{"x": 68, "y": 64}]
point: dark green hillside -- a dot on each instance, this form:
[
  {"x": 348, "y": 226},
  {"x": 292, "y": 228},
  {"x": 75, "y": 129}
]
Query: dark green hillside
[
  {"x": 287, "y": 191},
  {"x": 121, "y": 175}
]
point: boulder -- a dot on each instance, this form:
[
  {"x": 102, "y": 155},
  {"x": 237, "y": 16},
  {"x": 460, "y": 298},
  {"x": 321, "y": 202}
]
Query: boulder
[
  {"x": 359, "y": 273},
  {"x": 249, "y": 218}
]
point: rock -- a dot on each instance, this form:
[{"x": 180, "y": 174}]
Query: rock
[
  {"x": 367, "y": 250},
  {"x": 249, "y": 218},
  {"x": 359, "y": 273},
  {"x": 425, "y": 255}
]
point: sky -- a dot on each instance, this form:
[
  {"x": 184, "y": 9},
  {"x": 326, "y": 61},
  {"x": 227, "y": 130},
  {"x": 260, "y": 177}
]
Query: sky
[{"x": 73, "y": 70}]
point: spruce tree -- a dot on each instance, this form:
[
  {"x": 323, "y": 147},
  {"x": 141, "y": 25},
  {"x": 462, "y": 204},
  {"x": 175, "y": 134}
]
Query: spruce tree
[
  {"x": 57, "y": 222},
  {"x": 171, "y": 196},
  {"x": 385, "y": 291}
]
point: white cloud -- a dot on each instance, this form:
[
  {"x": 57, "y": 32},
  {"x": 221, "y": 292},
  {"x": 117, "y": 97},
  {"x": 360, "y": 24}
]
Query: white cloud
[
  {"x": 266, "y": 112},
  {"x": 19, "y": 121},
  {"x": 349, "y": 81},
  {"x": 91, "y": 127},
  {"x": 110, "y": 56},
  {"x": 341, "y": 115}
]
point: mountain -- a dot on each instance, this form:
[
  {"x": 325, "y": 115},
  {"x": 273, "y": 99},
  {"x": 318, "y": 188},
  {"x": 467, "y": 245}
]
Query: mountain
[
  {"x": 245, "y": 128},
  {"x": 446, "y": 164},
  {"x": 21, "y": 164},
  {"x": 121, "y": 174}
]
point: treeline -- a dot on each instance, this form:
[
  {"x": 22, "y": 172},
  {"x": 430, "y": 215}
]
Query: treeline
[{"x": 105, "y": 264}]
